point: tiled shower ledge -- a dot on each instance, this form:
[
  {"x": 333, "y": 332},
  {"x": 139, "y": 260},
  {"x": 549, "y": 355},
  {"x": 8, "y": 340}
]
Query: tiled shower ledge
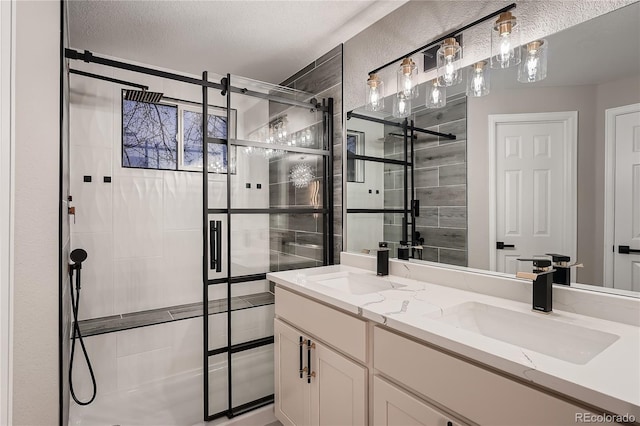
[{"x": 110, "y": 324}]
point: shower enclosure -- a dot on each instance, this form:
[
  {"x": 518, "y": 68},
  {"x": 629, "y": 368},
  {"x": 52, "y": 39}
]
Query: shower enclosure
[{"x": 183, "y": 204}]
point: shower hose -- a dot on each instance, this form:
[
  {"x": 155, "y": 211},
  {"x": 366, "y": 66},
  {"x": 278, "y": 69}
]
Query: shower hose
[{"x": 77, "y": 257}]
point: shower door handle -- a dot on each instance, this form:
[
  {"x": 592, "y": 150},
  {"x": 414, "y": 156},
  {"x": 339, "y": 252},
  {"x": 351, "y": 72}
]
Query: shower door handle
[{"x": 215, "y": 244}]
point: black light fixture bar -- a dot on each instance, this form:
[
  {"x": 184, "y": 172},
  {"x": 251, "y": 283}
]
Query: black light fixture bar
[
  {"x": 451, "y": 34},
  {"x": 109, "y": 79},
  {"x": 352, "y": 114}
]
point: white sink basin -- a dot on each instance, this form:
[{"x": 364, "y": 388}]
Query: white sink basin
[
  {"x": 533, "y": 331},
  {"x": 353, "y": 283}
]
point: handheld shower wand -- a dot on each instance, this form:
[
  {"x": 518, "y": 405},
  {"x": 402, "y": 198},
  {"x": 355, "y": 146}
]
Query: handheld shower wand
[{"x": 77, "y": 257}]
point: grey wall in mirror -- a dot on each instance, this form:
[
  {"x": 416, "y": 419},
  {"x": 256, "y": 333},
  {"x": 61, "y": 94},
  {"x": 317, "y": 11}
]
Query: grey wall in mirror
[{"x": 471, "y": 193}]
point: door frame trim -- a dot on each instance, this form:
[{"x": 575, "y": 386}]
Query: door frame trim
[
  {"x": 570, "y": 121},
  {"x": 609, "y": 186}
]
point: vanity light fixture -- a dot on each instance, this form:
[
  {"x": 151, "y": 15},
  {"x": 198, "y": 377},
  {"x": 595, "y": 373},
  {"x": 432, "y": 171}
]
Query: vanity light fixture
[
  {"x": 505, "y": 42},
  {"x": 478, "y": 82},
  {"x": 533, "y": 66},
  {"x": 406, "y": 73},
  {"x": 448, "y": 57},
  {"x": 436, "y": 94},
  {"x": 401, "y": 105},
  {"x": 375, "y": 93}
]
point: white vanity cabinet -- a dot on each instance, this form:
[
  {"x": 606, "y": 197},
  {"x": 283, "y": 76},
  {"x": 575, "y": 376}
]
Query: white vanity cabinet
[
  {"x": 315, "y": 384},
  {"x": 365, "y": 373},
  {"x": 472, "y": 392},
  {"x": 394, "y": 407}
]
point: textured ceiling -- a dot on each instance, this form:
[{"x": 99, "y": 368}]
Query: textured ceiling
[{"x": 264, "y": 40}]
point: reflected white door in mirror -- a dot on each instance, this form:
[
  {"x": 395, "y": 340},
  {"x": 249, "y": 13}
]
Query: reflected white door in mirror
[
  {"x": 622, "y": 203},
  {"x": 532, "y": 187}
]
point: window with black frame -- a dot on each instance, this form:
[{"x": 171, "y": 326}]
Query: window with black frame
[
  {"x": 165, "y": 136},
  {"x": 355, "y": 146}
]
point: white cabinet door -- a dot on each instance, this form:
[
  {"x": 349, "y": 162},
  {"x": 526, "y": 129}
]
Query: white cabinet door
[
  {"x": 291, "y": 391},
  {"x": 339, "y": 389},
  {"x": 394, "y": 407}
]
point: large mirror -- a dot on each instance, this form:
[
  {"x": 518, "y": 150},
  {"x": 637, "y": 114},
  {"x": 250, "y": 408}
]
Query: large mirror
[{"x": 536, "y": 168}]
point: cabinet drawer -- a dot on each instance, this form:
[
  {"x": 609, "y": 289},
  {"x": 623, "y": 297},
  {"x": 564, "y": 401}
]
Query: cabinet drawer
[
  {"x": 475, "y": 393},
  {"x": 338, "y": 329},
  {"x": 393, "y": 406}
]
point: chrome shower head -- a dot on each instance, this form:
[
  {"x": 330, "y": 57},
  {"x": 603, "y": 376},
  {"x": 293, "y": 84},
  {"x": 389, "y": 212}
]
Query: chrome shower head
[{"x": 142, "y": 96}]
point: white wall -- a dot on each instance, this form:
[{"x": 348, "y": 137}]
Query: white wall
[
  {"x": 6, "y": 241},
  {"x": 591, "y": 103},
  {"x": 523, "y": 100},
  {"x": 418, "y": 22},
  {"x": 35, "y": 286}
]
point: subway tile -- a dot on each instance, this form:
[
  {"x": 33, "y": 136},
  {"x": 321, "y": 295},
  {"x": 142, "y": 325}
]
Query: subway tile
[
  {"x": 454, "y": 110},
  {"x": 294, "y": 77},
  {"x": 455, "y": 174},
  {"x": 429, "y": 254},
  {"x": 428, "y": 217},
  {"x": 393, "y": 198},
  {"x": 453, "y": 257},
  {"x": 453, "y": 217},
  {"x": 443, "y": 196},
  {"x": 311, "y": 195},
  {"x": 457, "y": 128},
  {"x": 441, "y": 155},
  {"x": 281, "y": 194},
  {"x": 309, "y": 238},
  {"x": 321, "y": 78},
  {"x": 425, "y": 177},
  {"x": 314, "y": 253},
  {"x": 444, "y": 237}
]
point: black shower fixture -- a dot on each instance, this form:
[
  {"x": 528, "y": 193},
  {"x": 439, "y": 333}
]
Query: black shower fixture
[{"x": 142, "y": 96}]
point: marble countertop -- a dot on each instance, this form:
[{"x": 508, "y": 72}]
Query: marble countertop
[{"x": 611, "y": 380}]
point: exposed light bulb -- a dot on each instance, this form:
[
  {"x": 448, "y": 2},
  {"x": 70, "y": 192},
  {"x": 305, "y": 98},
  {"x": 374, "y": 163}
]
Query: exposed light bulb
[
  {"x": 436, "y": 95},
  {"x": 375, "y": 93},
  {"x": 534, "y": 62},
  {"x": 406, "y": 73},
  {"x": 478, "y": 80},
  {"x": 505, "y": 42},
  {"x": 401, "y": 106},
  {"x": 448, "y": 57}
]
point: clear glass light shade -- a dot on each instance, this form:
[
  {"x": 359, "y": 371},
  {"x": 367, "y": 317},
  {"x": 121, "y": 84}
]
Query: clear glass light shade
[
  {"x": 436, "y": 95},
  {"x": 448, "y": 60},
  {"x": 478, "y": 81},
  {"x": 505, "y": 42},
  {"x": 401, "y": 106},
  {"x": 406, "y": 78},
  {"x": 534, "y": 62},
  {"x": 375, "y": 93}
]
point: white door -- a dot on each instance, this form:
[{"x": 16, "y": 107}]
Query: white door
[
  {"x": 394, "y": 407},
  {"x": 291, "y": 390},
  {"x": 338, "y": 391},
  {"x": 534, "y": 194},
  {"x": 624, "y": 122}
]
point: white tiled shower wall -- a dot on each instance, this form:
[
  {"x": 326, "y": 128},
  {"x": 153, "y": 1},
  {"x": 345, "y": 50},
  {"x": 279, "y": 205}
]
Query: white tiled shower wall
[
  {"x": 143, "y": 235},
  {"x": 143, "y": 231}
]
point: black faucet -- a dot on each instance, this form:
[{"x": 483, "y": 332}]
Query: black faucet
[
  {"x": 562, "y": 273},
  {"x": 383, "y": 259},
  {"x": 542, "y": 278}
]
